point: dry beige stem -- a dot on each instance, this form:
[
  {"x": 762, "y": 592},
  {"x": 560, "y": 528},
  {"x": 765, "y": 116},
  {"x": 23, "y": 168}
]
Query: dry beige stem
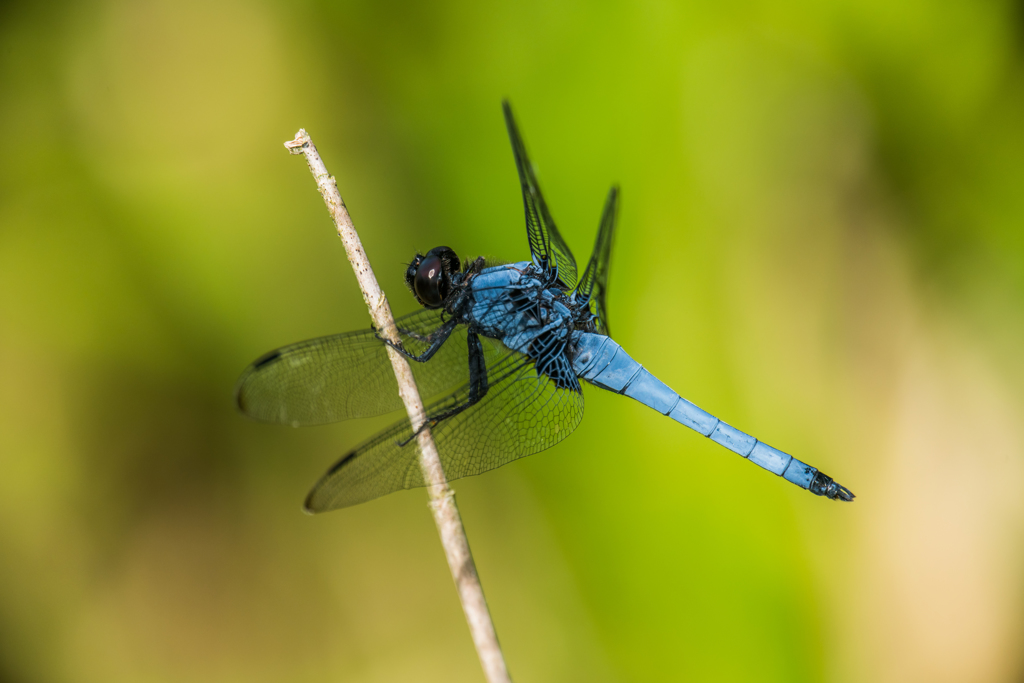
[{"x": 442, "y": 498}]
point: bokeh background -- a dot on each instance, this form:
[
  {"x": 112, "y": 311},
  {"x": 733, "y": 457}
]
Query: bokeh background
[{"x": 820, "y": 241}]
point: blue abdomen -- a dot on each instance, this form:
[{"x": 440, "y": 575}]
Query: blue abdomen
[{"x": 602, "y": 362}]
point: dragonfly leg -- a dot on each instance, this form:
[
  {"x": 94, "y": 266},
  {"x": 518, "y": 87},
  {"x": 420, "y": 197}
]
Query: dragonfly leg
[
  {"x": 477, "y": 387},
  {"x": 436, "y": 339}
]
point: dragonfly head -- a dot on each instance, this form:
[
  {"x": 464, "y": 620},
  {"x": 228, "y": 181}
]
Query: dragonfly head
[{"x": 430, "y": 277}]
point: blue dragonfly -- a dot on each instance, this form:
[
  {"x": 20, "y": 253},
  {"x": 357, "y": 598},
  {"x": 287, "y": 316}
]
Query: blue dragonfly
[{"x": 499, "y": 352}]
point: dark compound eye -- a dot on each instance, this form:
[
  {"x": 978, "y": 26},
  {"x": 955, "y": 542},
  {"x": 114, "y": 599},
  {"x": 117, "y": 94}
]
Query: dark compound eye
[
  {"x": 430, "y": 277},
  {"x": 430, "y": 281}
]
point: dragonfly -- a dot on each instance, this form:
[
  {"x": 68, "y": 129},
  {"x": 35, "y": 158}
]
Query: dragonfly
[{"x": 499, "y": 351}]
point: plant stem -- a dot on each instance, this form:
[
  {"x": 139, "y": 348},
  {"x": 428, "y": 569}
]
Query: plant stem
[{"x": 442, "y": 498}]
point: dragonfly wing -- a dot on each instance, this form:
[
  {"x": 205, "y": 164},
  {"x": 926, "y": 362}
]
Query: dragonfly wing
[
  {"x": 546, "y": 244},
  {"x": 349, "y": 375},
  {"x": 594, "y": 283},
  {"x": 521, "y": 414}
]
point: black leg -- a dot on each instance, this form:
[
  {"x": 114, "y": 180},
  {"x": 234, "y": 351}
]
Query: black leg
[
  {"x": 477, "y": 386},
  {"x": 436, "y": 339},
  {"x": 477, "y": 369}
]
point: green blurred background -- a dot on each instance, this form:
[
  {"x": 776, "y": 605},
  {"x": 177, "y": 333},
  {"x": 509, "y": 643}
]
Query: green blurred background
[{"x": 820, "y": 241}]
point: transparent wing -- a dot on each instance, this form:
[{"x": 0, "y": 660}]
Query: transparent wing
[
  {"x": 349, "y": 375},
  {"x": 521, "y": 414},
  {"x": 546, "y": 244},
  {"x": 594, "y": 283}
]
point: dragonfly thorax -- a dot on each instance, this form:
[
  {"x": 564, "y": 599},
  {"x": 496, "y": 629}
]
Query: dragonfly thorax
[{"x": 515, "y": 304}]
